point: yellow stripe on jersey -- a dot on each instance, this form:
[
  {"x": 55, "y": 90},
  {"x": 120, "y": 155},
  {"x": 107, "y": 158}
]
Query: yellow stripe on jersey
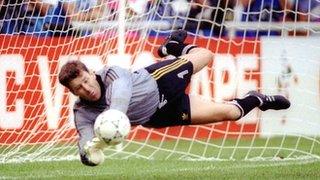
[
  {"x": 160, "y": 74},
  {"x": 154, "y": 74},
  {"x": 168, "y": 68},
  {"x": 164, "y": 68}
]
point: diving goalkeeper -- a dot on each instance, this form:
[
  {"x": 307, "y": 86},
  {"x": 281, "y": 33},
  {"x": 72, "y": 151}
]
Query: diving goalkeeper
[{"x": 153, "y": 96}]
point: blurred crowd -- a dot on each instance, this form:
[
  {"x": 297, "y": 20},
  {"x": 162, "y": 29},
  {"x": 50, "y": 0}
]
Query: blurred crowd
[
  {"x": 47, "y": 17},
  {"x": 56, "y": 17}
]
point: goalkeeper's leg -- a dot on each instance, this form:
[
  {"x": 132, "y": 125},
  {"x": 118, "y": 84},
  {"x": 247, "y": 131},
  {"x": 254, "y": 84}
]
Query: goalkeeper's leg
[
  {"x": 175, "y": 45},
  {"x": 205, "y": 111}
]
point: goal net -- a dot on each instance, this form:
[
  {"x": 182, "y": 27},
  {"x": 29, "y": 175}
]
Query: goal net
[{"x": 256, "y": 47}]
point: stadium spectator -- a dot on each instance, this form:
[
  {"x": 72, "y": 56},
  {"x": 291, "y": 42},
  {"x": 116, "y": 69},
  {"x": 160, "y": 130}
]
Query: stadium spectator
[
  {"x": 30, "y": 17},
  {"x": 11, "y": 15},
  {"x": 164, "y": 10},
  {"x": 62, "y": 13},
  {"x": 56, "y": 23},
  {"x": 153, "y": 96},
  {"x": 260, "y": 11},
  {"x": 305, "y": 11},
  {"x": 84, "y": 10},
  {"x": 34, "y": 18},
  {"x": 309, "y": 10},
  {"x": 209, "y": 16},
  {"x": 138, "y": 6},
  {"x": 171, "y": 12}
]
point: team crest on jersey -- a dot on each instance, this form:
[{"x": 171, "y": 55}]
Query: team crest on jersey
[
  {"x": 185, "y": 116},
  {"x": 163, "y": 102}
]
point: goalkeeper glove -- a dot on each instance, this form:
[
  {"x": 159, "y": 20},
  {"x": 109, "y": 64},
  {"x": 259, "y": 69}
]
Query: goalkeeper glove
[{"x": 93, "y": 152}]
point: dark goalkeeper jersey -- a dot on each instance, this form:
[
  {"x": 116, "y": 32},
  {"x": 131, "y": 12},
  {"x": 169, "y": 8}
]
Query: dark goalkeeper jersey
[{"x": 134, "y": 93}]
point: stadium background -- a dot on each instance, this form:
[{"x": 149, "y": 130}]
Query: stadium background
[{"x": 270, "y": 46}]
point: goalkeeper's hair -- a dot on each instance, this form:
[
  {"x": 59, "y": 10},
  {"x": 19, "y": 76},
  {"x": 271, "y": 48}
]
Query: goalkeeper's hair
[{"x": 70, "y": 71}]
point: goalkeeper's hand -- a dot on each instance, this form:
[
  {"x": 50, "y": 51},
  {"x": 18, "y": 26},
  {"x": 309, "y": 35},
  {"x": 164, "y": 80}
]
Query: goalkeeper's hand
[
  {"x": 95, "y": 143},
  {"x": 94, "y": 152}
]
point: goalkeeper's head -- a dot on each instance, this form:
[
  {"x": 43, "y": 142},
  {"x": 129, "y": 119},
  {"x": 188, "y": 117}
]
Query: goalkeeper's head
[{"x": 80, "y": 80}]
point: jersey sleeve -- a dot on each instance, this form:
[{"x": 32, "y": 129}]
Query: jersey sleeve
[
  {"x": 120, "y": 88},
  {"x": 85, "y": 132}
]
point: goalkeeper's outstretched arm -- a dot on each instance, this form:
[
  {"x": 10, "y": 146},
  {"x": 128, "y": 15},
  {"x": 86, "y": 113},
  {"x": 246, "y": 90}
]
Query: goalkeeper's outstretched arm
[{"x": 90, "y": 147}]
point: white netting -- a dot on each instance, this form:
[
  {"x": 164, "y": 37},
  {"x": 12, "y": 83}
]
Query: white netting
[{"x": 255, "y": 48}]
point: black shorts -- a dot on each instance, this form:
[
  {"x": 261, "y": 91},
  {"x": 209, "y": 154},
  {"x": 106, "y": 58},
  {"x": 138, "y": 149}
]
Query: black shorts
[{"x": 173, "y": 77}]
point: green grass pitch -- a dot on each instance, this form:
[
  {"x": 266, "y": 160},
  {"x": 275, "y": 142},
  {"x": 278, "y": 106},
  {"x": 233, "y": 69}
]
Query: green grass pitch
[
  {"x": 176, "y": 167},
  {"x": 163, "y": 169}
]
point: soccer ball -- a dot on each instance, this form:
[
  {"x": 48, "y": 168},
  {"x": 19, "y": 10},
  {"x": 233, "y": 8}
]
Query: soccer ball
[{"x": 112, "y": 126}]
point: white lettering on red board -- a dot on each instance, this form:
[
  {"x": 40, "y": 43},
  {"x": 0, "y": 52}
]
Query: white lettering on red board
[
  {"x": 235, "y": 66},
  {"x": 11, "y": 63}
]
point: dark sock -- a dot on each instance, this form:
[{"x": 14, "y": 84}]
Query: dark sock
[
  {"x": 246, "y": 104},
  {"x": 178, "y": 49}
]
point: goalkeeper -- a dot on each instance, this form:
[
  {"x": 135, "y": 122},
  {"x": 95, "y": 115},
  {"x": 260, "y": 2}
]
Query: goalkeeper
[{"x": 153, "y": 96}]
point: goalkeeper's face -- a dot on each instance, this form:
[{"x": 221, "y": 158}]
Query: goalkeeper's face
[{"x": 86, "y": 86}]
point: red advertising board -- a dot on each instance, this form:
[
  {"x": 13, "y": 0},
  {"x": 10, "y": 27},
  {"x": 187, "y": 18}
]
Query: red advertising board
[{"x": 23, "y": 106}]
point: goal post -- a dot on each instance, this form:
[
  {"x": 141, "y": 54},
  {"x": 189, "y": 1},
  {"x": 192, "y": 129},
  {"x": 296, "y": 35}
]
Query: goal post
[{"x": 36, "y": 117}]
